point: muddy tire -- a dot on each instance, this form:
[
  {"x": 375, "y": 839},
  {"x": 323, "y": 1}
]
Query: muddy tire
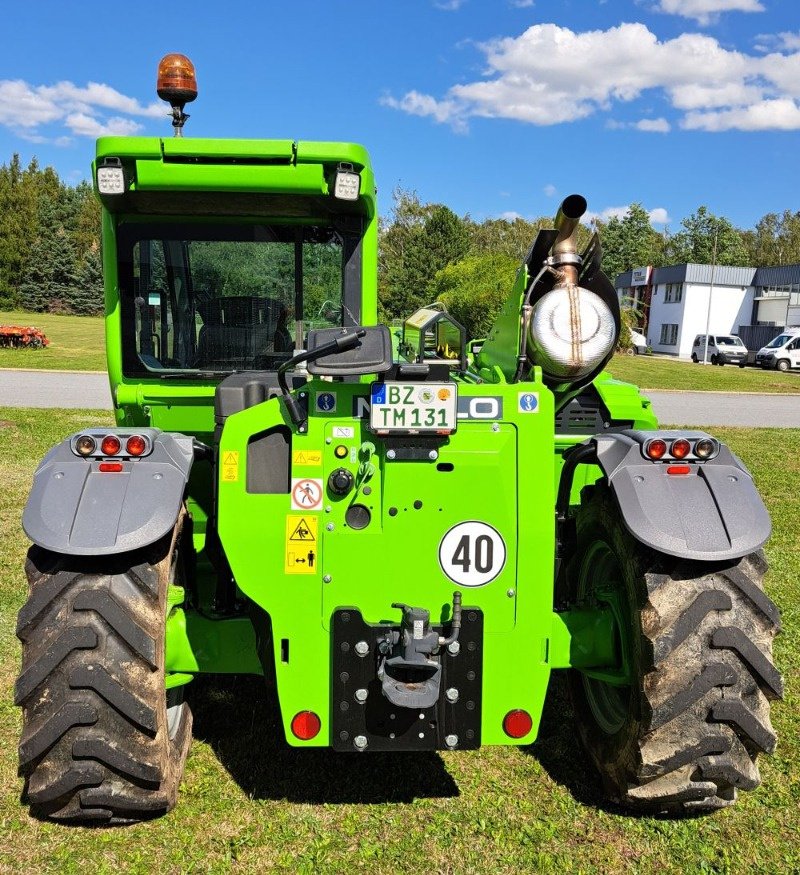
[
  {"x": 683, "y": 734},
  {"x": 101, "y": 741}
]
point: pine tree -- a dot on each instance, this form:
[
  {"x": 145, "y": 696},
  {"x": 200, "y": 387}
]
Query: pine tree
[{"x": 87, "y": 298}]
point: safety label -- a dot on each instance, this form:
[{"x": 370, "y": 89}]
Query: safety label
[
  {"x": 301, "y": 544},
  {"x": 230, "y": 466},
  {"x": 306, "y": 493},
  {"x": 343, "y": 431},
  {"x": 307, "y": 457},
  {"x": 528, "y": 402},
  {"x": 326, "y": 402}
]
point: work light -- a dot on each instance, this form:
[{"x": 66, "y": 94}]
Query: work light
[
  {"x": 347, "y": 184},
  {"x": 111, "y": 177}
]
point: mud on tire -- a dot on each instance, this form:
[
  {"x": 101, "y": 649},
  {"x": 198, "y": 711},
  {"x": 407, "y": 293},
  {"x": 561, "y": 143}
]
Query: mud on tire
[
  {"x": 99, "y": 743},
  {"x": 685, "y": 734}
]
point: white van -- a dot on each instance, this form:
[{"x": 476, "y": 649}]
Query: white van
[
  {"x": 723, "y": 349},
  {"x": 783, "y": 352}
]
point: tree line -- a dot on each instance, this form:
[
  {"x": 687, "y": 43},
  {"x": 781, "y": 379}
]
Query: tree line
[
  {"x": 50, "y": 248},
  {"x": 49, "y": 242}
]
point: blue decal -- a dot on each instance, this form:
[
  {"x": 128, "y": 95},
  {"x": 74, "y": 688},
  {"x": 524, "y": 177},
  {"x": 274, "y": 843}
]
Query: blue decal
[
  {"x": 528, "y": 402},
  {"x": 326, "y": 401},
  {"x": 379, "y": 394}
]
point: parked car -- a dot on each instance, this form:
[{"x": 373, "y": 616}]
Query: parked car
[
  {"x": 638, "y": 343},
  {"x": 783, "y": 352},
  {"x": 723, "y": 349}
]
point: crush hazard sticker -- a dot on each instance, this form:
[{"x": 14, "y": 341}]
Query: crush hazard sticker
[
  {"x": 472, "y": 553},
  {"x": 306, "y": 493},
  {"x": 230, "y": 466},
  {"x": 301, "y": 544}
]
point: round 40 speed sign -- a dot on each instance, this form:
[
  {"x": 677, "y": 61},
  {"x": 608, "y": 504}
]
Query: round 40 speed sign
[{"x": 472, "y": 553}]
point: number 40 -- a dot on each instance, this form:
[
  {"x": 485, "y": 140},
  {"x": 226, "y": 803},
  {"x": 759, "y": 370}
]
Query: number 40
[{"x": 482, "y": 556}]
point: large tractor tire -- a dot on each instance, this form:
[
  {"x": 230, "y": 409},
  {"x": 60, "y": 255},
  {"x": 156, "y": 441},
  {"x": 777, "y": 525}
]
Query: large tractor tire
[
  {"x": 102, "y": 741},
  {"x": 677, "y": 728}
]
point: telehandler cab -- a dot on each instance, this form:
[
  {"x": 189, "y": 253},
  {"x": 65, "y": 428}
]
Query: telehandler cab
[{"x": 403, "y": 534}]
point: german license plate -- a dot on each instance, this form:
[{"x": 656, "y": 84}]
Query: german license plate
[{"x": 413, "y": 408}]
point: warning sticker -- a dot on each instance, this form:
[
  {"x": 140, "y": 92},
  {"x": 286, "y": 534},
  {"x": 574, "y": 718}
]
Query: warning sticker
[
  {"x": 306, "y": 493},
  {"x": 326, "y": 402},
  {"x": 301, "y": 544},
  {"x": 307, "y": 457},
  {"x": 528, "y": 402},
  {"x": 230, "y": 466}
]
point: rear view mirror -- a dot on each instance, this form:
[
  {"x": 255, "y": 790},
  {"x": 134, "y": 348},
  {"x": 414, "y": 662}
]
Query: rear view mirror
[{"x": 371, "y": 355}]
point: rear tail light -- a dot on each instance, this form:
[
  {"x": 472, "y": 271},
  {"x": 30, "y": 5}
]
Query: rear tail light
[
  {"x": 110, "y": 467},
  {"x": 110, "y": 445},
  {"x": 680, "y": 448},
  {"x": 705, "y": 448},
  {"x": 517, "y": 724},
  {"x": 306, "y": 725},
  {"x": 655, "y": 449},
  {"x": 85, "y": 445},
  {"x": 135, "y": 445}
]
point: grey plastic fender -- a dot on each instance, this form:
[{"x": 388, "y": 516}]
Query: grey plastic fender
[
  {"x": 75, "y": 508},
  {"x": 712, "y": 513}
]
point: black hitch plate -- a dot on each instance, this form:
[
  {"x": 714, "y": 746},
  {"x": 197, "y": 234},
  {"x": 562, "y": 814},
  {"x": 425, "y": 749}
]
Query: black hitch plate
[{"x": 385, "y": 726}]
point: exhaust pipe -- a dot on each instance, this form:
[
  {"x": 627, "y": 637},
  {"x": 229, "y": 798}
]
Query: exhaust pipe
[{"x": 566, "y": 223}]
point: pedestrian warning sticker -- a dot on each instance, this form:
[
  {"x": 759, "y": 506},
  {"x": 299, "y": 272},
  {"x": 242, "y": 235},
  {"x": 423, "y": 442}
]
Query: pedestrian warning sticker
[
  {"x": 307, "y": 457},
  {"x": 301, "y": 544},
  {"x": 306, "y": 493},
  {"x": 230, "y": 466}
]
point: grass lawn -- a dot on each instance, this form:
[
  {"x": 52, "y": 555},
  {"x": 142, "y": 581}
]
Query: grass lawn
[
  {"x": 658, "y": 373},
  {"x": 77, "y": 343},
  {"x": 250, "y": 803}
]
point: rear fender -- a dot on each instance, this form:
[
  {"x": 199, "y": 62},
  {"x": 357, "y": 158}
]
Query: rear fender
[
  {"x": 76, "y": 509},
  {"x": 712, "y": 513}
]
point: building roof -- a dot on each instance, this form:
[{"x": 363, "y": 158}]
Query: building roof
[{"x": 724, "y": 275}]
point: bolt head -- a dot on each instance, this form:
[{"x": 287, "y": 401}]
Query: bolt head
[
  {"x": 360, "y": 742},
  {"x": 433, "y": 455},
  {"x": 453, "y": 648},
  {"x": 362, "y": 648},
  {"x": 361, "y": 695},
  {"x": 511, "y": 593},
  {"x": 451, "y": 740},
  {"x": 495, "y": 426},
  {"x": 451, "y": 695},
  {"x": 329, "y": 527},
  {"x": 391, "y": 454},
  {"x": 327, "y": 578}
]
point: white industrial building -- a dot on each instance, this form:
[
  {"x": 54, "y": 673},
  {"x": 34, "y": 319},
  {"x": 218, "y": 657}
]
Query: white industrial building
[{"x": 679, "y": 302}]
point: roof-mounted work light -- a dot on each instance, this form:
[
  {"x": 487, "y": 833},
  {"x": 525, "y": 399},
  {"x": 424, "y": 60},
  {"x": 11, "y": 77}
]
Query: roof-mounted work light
[
  {"x": 347, "y": 184},
  {"x": 111, "y": 177},
  {"x": 177, "y": 84}
]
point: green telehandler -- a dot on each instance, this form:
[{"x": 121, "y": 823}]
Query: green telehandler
[{"x": 403, "y": 532}]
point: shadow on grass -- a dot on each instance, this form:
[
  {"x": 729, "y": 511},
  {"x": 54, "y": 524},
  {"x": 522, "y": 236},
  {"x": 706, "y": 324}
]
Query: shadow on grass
[
  {"x": 558, "y": 748},
  {"x": 238, "y": 717}
]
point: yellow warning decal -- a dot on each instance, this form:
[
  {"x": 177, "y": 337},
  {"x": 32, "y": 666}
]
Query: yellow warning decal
[
  {"x": 307, "y": 457},
  {"x": 301, "y": 544},
  {"x": 230, "y": 466}
]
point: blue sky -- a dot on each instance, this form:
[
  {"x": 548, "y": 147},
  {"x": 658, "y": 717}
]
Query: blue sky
[{"x": 494, "y": 108}]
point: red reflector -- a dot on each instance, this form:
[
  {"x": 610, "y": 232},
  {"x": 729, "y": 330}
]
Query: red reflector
[
  {"x": 679, "y": 469},
  {"x": 110, "y": 445},
  {"x": 306, "y": 725},
  {"x": 110, "y": 467},
  {"x": 517, "y": 724},
  {"x": 136, "y": 445},
  {"x": 656, "y": 449},
  {"x": 680, "y": 448}
]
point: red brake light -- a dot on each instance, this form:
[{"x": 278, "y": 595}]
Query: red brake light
[
  {"x": 110, "y": 445},
  {"x": 679, "y": 469},
  {"x": 135, "y": 445},
  {"x": 306, "y": 725},
  {"x": 111, "y": 467},
  {"x": 680, "y": 448},
  {"x": 517, "y": 724},
  {"x": 656, "y": 449}
]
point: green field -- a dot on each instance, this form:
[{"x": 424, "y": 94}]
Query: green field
[
  {"x": 649, "y": 372},
  {"x": 252, "y": 804},
  {"x": 77, "y": 343}
]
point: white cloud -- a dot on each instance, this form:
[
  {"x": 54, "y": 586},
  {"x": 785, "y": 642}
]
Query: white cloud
[
  {"x": 510, "y": 216},
  {"x": 653, "y": 125},
  {"x": 780, "y": 42},
  {"x": 550, "y": 75},
  {"x": 523, "y": 4},
  {"x": 780, "y": 115},
  {"x": 81, "y": 110},
  {"x": 449, "y": 5},
  {"x": 657, "y": 216},
  {"x": 706, "y": 11},
  {"x": 550, "y": 190}
]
